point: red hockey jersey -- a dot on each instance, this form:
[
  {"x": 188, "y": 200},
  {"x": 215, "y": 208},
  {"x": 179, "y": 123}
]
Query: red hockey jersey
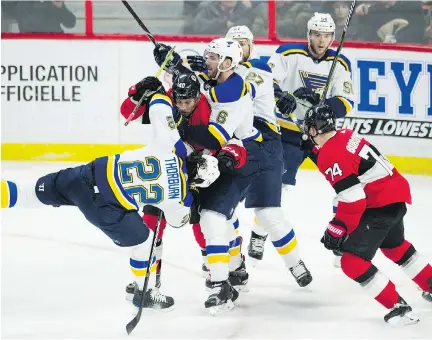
[{"x": 360, "y": 175}]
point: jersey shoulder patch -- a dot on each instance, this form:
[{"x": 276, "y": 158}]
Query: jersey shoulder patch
[
  {"x": 258, "y": 64},
  {"x": 292, "y": 48},
  {"x": 229, "y": 91},
  {"x": 345, "y": 62}
]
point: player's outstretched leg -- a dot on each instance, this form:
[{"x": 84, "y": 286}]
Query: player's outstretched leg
[
  {"x": 284, "y": 240},
  {"x": 216, "y": 230},
  {"x": 153, "y": 299},
  {"x": 379, "y": 287},
  {"x": 414, "y": 265}
]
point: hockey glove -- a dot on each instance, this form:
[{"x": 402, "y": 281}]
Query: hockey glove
[
  {"x": 196, "y": 206},
  {"x": 308, "y": 95},
  {"x": 160, "y": 53},
  {"x": 202, "y": 169},
  {"x": 286, "y": 103},
  {"x": 335, "y": 235},
  {"x": 232, "y": 156},
  {"x": 197, "y": 63},
  {"x": 147, "y": 88}
]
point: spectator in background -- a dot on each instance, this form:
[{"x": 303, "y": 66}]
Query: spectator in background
[
  {"x": 43, "y": 17},
  {"x": 291, "y": 19},
  {"x": 217, "y": 17},
  {"x": 339, "y": 11},
  {"x": 391, "y": 21}
]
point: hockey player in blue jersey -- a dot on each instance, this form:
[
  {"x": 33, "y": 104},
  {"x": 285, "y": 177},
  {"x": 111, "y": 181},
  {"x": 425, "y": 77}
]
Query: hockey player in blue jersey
[
  {"x": 231, "y": 116},
  {"x": 300, "y": 72},
  {"x": 264, "y": 194},
  {"x": 110, "y": 190}
]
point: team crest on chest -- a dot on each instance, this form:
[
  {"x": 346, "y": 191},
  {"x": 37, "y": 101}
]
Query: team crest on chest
[{"x": 312, "y": 80}]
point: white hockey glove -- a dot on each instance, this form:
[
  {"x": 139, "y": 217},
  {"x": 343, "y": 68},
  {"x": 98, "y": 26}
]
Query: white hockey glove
[{"x": 207, "y": 171}]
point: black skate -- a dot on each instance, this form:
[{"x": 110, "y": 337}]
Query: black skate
[
  {"x": 153, "y": 299},
  {"x": 222, "y": 296},
  {"x": 400, "y": 314},
  {"x": 428, "y": 295},
  {"x": 301, "y": 274},
  {"x": 237, "y": 278},
  {"x": 256, "y": 248}
]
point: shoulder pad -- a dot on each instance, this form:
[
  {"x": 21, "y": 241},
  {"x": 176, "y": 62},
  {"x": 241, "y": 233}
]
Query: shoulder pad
[
  {"x": 290, "y": 48},
  {"x": 345, "y": 62},
  {"x": 229, "y": 91},
  {"x": 258, "y": 64},
  {"x": 161, "y": 99}
]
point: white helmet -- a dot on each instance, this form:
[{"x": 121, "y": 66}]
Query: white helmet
[
  {"x": 226, "y": 48},
  {"x": 241, "y": 32},
  {"x": 321, "y": 22}
]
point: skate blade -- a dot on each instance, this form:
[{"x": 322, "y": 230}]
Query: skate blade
[
  {"x": 150, "y": 311},
  {"x": 217, "y": 310},
  {"x": 405, "y": 320}
]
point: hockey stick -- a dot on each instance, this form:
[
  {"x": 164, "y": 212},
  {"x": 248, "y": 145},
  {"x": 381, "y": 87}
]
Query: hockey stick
[
  {"x": 338, "y": 51},
  {"x": 134, "y": 322},
  {"x": 139, "y": 21},
  {"x": 167, "y": 59}
]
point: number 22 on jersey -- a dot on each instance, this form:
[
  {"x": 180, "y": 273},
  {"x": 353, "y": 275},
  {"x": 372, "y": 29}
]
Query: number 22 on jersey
[{"x": 138, "y": 173}]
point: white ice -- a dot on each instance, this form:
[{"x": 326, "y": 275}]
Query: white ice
[{"x": 63, "y": 278}]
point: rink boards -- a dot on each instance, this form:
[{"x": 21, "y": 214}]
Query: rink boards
[{"x": 61, "y": 99}]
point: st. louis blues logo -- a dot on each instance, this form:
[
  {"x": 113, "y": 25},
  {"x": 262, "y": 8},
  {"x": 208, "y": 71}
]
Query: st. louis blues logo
[{"x": 312, "y": 80}]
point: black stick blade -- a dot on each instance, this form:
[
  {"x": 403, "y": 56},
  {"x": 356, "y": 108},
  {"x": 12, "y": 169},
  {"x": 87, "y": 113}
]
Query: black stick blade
[{"x": 133, "y": 323}]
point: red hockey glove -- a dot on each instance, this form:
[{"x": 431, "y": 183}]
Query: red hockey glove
[
  {"x": 232, "y": 156},
  {"x": 335, "y": 235}
]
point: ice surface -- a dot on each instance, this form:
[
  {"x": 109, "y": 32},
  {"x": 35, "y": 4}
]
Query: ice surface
[{"x": 63, "y": 278}]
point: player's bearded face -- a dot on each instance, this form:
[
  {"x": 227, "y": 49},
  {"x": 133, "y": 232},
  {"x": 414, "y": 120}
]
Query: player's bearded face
[
  {"x": 320, "y": 42},
  {"x": 186, "y": 106},
  {"x": 212, "y": 61}
]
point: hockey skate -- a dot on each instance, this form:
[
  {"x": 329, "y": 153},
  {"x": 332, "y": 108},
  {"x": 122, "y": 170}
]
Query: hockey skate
[
  {"x": 237, "y": 278},
  {"x": 301, "y": 274},
  {"x": 153, "y": 299},
  {"x": 400, "y": 314},
  {"x": 428, "y": 295},
  {"x": 256, "y": 248},
  {"x": 222, "y": 297}
]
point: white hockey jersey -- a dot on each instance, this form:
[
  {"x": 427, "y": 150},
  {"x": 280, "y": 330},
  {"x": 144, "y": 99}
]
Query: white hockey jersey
[
  {"x": 152, "y": 175},
  {"x": 231, "y": 109},
  {"x": 294, "y": 67},
  {"x": 259, "y": 76}
]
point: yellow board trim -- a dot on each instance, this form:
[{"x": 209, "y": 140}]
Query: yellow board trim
[{"x": 88, "y": 152}]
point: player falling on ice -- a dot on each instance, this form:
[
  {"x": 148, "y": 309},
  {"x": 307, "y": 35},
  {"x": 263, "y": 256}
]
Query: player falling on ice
[
  {"x": 191, "y": 108},
  {"x": 300, "y": 72},
  {"x": 372, "y": 198},
  {"x": 110, "y": 190}
]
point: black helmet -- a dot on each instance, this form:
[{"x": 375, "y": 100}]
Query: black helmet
[
  {"x": 321, "y": 118},
  {"x": 186, "y": 86}
]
